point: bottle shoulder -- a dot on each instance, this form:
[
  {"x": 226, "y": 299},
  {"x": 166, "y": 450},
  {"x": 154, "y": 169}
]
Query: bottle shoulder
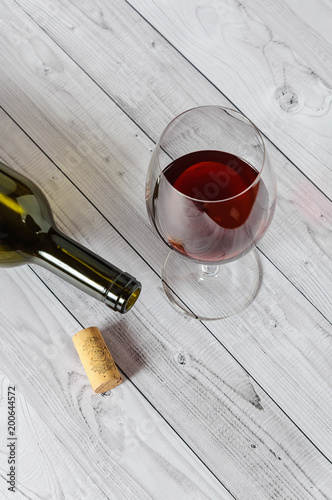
[{"x": 25, "y": 214}]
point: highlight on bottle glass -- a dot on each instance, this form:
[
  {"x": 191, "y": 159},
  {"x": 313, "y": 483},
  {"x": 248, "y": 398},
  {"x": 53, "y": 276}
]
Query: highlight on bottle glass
[
  {"x": 211, "y": 195},
  {"x": 28, "y": 234}
]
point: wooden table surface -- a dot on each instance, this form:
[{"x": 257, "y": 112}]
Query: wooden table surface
[{"x": 234, "y": 409}]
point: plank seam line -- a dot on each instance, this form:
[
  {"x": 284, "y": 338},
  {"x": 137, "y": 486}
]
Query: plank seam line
[
  {"x": 206, "y": 327},
  {"x": 154, "y": 142},
  {"x": 150, "y": 138},
  {"x": 138, "y": 390},
  {"x": 224, "y": 95},
  {"x": 188, "y": 61},
  {"x": 78, "y": 189},
  {"x": 125, "y": 239},
  {"x": 36, "y": 273},
  {"x": 105, "y": 218},
  {"x": 168, "y": 423}
]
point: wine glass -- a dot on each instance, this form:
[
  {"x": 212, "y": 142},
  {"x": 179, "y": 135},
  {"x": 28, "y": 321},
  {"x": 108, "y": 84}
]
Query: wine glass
[{"x": 211, "y": 195}]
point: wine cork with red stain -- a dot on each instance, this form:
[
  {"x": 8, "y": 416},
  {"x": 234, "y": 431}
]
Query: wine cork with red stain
[{"x": 96, "y": 360}]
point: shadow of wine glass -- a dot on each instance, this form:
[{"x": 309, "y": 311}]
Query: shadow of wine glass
[{"x": 246, "y": 280}]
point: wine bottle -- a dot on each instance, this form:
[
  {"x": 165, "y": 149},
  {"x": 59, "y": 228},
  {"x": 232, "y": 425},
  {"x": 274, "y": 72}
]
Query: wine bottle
[{"x": 28, "y": 234}]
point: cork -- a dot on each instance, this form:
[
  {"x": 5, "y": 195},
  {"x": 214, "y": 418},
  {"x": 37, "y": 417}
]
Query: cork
[{"x": 96, "y": 360}]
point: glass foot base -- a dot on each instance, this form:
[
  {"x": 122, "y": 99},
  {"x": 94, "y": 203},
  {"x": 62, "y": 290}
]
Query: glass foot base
[{"x": 209, "y": 292}]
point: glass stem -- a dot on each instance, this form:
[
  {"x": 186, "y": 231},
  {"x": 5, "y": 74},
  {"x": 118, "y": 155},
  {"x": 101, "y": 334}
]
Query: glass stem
[{"x": 210, "y": 270}]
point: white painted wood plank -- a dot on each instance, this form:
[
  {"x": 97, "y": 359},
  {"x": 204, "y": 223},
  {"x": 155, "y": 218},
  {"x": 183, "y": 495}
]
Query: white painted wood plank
[
  {"x": 144, "y": 79},
  {"x": 304, "y": 26},
  {"x": 112, "y": 186},
  {"x": 209, "y": 400},
  {"x": 236, "y": 47},
  {"x": 198, "y": 368},
  {"x": 43, "y": 466},
  {"x": 123, "y": 445},
  {"x": 246, "y": 458}
]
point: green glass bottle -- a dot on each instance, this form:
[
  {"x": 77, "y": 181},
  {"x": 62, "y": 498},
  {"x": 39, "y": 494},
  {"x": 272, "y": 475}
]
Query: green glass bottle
[{"x": 28, "y": 234}]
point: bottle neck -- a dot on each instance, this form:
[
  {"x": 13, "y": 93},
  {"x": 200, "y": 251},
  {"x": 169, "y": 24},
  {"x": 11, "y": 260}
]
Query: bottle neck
[{"x": 86, "y": 270}]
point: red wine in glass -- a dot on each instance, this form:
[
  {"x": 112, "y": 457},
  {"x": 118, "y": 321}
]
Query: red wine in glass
[{"x": 210, "y": 206}]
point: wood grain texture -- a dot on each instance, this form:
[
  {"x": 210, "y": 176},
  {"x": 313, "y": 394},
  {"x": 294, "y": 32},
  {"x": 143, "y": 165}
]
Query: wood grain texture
[
  {"x": 124, "y": 446},
  {"x": 302, "y": 212},
  {"x": 305, "y": 27},
  {"x": 42, "y": 461},
  {"x": 237, "y": 48},
  {"x": 85, "y": 95},
  {"x": 224, "y": 416},
  {"x": 84, "y": 147}
]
